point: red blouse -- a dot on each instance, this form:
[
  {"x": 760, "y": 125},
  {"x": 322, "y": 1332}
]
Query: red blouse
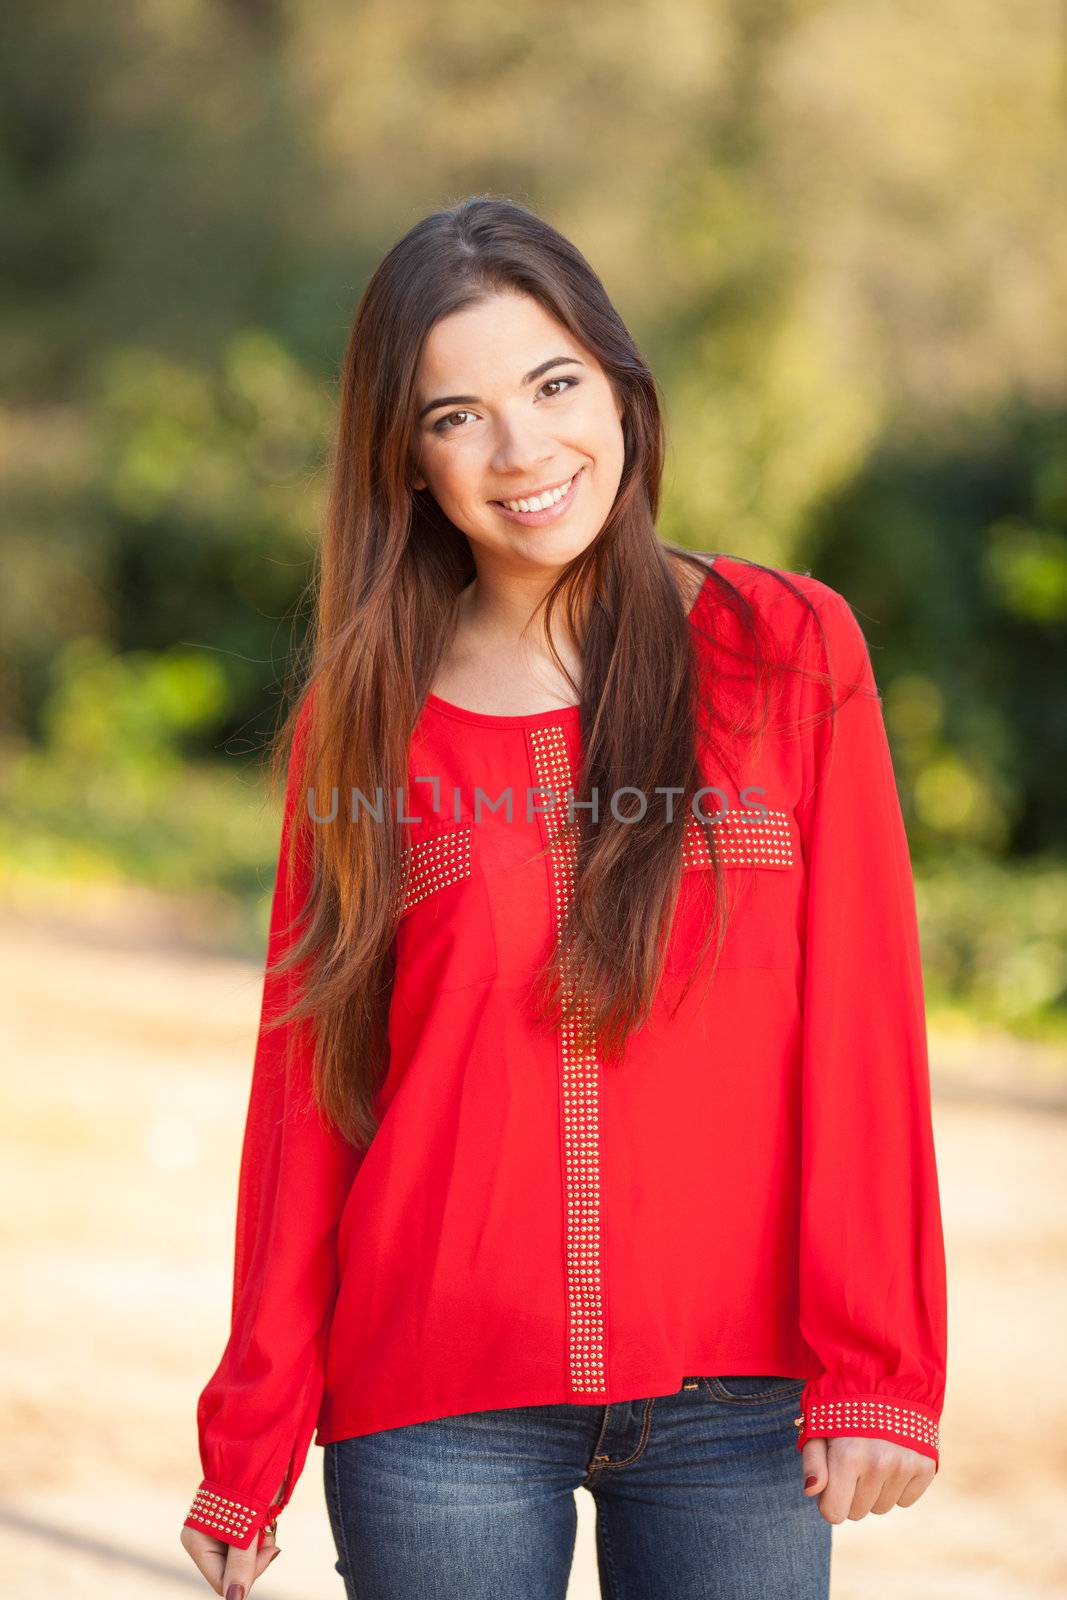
[{"x": 752, "y": 1190}]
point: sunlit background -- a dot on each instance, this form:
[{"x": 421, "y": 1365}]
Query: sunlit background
[{"x": 837, "y": 233}]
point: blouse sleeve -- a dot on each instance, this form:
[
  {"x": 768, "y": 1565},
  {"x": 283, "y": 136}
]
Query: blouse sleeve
[
  {"x": 259, "y": 1409},
  {"x": 872, "y": 1265}
]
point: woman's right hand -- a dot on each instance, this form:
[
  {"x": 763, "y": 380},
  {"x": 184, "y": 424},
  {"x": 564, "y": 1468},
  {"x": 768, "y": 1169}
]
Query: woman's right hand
[{"x": 230, "y": 1572}]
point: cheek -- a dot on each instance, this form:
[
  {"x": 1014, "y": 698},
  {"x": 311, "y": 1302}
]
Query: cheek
[
  {"x": 605, "y": 440},
  {"x": 453, "y": 475},
  {"x": 610, "y": 456}
]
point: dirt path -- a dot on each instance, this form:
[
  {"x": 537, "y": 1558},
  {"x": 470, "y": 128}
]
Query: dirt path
[{"x": 123, "y": 1102}]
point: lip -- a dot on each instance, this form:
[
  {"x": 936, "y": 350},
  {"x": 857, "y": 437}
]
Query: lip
[{"x": 534, "y": 519}]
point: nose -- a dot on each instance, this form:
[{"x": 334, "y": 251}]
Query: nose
[{"x": 522, "y": 449}]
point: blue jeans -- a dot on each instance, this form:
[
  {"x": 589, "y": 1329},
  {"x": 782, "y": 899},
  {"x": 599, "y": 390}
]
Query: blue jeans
[{"x": 699, "y": 1496}]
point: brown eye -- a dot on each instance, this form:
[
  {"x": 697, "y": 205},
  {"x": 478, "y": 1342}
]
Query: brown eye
[
  {"x": 439, "y": 426},
  {"x": 570, "y": 382}
]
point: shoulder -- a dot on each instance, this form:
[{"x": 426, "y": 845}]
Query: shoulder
[
  {"x": 800, "y": 610},
  {"x": 777, "y": 586}
]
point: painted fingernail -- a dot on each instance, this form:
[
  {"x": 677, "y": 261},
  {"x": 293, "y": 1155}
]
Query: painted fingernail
[
  {"x": 808, "y": 1481},
  {"x": 236, "y": 1591},
  {"x": 277, "y": 1552}
]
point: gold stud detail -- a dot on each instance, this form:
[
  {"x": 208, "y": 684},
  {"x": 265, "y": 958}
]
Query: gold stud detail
[
  {"x": 743, "y": 838},
  {"x": 432, "y": 864},
  {"x": 580, "y": 1097},
  {"x": 223, "y": 1516},
  {"x": 832, "y": 1417}
]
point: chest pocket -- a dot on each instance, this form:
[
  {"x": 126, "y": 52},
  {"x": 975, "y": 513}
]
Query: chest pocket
[
  {"x": 760, "y": 859},
  {"x": 444, "y": 938}
]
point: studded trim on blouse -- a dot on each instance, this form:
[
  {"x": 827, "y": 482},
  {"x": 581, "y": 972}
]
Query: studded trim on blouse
[
  {"x": 433, "y": 864},
  {"x": 579, "y": 1092},
  {"x": 744, "y": 837},
  {"x": 870, "y": 1417},
  {"x": 235, "y": 1521}
]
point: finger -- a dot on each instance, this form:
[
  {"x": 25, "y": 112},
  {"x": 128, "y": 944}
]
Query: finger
[
  {"x": 879, "y": 1493},
  {"x": 884, "y": 1474},
  {"x": 813, "y": 1466},
  {"x": 892, "y": 1488},
  {"x": 842, "y": 1467},
  {"x": 884, "y": 1471},
  {"x": 242, "y": 1569},
  {"x": 266, "y": 1556},
  {"x": 208, "y": 1555},
  {"x": 915, "y": 1486}
]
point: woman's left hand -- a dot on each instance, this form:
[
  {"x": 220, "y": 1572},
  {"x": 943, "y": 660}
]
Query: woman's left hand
[{"x": 855, "y": 1475}]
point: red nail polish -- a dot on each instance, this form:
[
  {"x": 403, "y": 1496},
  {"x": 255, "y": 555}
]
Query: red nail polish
[
  {"x": 809, "y": 1480},
  {"x": 277, "y": 1552},
  {"x": 236, "y": 1591}
]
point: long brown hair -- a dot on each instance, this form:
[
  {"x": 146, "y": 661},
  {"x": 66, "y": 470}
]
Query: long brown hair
[{"x": 384, "y": 603}]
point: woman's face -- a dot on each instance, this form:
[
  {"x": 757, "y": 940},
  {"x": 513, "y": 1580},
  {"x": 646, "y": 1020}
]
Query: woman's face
[{"x": 509, "y": 406}]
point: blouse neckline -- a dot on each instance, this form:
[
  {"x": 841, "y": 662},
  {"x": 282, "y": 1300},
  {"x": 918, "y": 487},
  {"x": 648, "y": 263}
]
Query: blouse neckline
[{"x": 533, "y": 719}]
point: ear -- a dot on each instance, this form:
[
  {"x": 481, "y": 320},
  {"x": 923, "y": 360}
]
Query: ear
[{"x": 418, "y": 483}]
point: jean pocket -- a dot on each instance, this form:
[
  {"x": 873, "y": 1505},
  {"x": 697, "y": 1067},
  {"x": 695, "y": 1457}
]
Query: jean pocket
[{"x": 750, "y": 1389}]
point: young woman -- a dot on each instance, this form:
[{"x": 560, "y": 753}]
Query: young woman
[{"x": 589, "y": 1137}]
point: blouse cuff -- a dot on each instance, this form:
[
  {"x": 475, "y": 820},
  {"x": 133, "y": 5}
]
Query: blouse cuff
[
  {"x": 871, "y": 1416},
  {"x": 236, "y": 1518}
]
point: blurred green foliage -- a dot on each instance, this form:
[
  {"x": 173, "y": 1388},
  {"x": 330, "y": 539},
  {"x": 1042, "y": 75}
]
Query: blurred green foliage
[
  {"x": 994, "y": 939},
  {"x": 110, "y": 783},
  {"x": 826, "y": 221},
  {"x": 954, "y": 553}
]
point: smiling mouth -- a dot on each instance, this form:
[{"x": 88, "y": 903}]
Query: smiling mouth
[{"x": 540, "y": 502}]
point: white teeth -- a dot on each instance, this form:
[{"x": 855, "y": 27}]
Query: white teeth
[{"x": 551, "y": 498}]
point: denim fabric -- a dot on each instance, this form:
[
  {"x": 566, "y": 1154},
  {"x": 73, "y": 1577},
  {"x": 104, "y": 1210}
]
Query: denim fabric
[{"x": 699, "y": 1496}]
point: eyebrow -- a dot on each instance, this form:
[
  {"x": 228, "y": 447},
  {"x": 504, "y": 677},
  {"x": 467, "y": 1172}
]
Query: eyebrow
[{"x": 472, "y": 399}]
